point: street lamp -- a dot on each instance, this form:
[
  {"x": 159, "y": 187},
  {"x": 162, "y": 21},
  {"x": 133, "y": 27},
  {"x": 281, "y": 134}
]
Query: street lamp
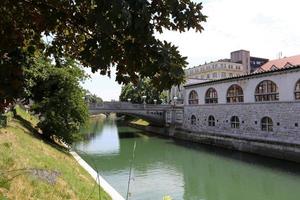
[
  {"x": 155, "y": 101},
  {"x": 175, "y": 100},
  {"x": 129, "y": 100},
  {"x": 144, "y": 99}
]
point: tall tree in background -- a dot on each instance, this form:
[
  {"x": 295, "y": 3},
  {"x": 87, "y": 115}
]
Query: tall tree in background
[
  {"x": 143, "y": 88},
  {"x": 58, "y": 99},
  {"x": 99, "y": 34},
  {"x": 92, "y": 98}
]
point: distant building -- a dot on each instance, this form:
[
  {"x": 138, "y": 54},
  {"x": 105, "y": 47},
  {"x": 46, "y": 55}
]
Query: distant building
[
  {"x": 215, "y": 70},
  {"x": 280, "y": 63},
  {"x": 256, "y": 63},
  {"x": 243, "y": 57},
  {"x": 251, "y": 63}
]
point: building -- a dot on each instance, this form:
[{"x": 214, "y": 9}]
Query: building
[
  {"x": 215, "y": 70},
  {"x": 240, "y": 63},
  {"x": 256, "y": 63},
  {"x": 209, "y": 71},
  {"x": 256, "y": 113},
  {"x": 280, "y": 63},
  {"x": 251, "y": 63},
  {"x": 261, "y": 106}
]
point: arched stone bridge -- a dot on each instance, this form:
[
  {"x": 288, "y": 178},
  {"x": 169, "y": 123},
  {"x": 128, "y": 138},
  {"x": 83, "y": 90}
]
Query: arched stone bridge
[{"x": 157, "y": 114}]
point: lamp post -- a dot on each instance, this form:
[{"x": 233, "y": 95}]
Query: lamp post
[
  {"x": 175, "y": 100},
  {"x": 144, "y": 99},
  {"x": 155, "y": 101},
  {"x": 129, "y": 100}
]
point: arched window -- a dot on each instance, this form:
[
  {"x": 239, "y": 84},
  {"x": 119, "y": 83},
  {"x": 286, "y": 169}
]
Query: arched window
[
  {"x": 266, "y": 91},
  {"x": 235, "y": 122},
  {"x": 193, "y": 120},
  {"x": 266, "y": 124},
  {"x": 193, "y": 97},
  {"x": 235, "y": 94},
  {"x": 211, "y": 96},
  {"x": 297, "y": 90},
  {"x": 211, "y": 121}
]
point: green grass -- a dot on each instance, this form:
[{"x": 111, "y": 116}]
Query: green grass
[
  {"x": 27, "y": 116},
  {"x": 22, "y": 148},
  {"x": 140, "y": 122}
]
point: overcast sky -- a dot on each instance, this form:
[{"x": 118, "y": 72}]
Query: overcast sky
[{"x": 264, "y": 27}]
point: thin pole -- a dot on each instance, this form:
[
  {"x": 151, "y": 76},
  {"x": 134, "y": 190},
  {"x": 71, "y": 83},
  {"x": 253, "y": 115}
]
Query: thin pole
[{"x": 131, "y": 164}]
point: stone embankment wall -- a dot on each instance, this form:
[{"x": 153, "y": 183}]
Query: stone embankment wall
[
  {"x": 285, "y": 117},
  {"x": 282, "y": 143}
]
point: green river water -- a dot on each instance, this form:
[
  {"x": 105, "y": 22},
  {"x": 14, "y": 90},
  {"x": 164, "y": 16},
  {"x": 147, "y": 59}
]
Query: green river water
[{"x": 184, "y": 171}]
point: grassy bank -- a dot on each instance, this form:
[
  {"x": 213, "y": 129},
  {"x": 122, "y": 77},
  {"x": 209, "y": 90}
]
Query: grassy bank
[
  {"x": 33, "y": 169},
  {"x": 140, "y": 122}
]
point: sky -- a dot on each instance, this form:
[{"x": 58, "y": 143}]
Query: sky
[{"x": 263, "y": 27}]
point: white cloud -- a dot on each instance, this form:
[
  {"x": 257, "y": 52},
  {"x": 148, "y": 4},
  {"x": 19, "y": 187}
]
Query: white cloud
[{"x": 264, "y": 27}]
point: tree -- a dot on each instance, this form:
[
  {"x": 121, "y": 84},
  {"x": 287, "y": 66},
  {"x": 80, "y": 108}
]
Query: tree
[
  {"x": 99, "y": 34},
  {"x": 92, "y": 98},
  {"x": 58, "y": 98},
  {"x": 143, "y": 88}
]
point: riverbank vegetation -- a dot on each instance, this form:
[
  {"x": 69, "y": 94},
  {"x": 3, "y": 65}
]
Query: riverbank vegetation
[
  {"x": 135, "y": 92},
  {"x": 57, "y": 98},
  {"x": 32, "y": 168}
]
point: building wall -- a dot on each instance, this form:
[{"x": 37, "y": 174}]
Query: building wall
[
  {"x": 284, "y": 113},
  {"x": 285, "y": 116},
  {"x": 285, "y": 82},
  {"x": 207, "y": 72},
  {"x": 243, "y": 57},
  {"x": 255, "y": 63}
]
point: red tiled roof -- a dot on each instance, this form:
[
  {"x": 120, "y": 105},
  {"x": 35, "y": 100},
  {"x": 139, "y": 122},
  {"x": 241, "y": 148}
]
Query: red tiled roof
[{"x": 280, "y": 63}]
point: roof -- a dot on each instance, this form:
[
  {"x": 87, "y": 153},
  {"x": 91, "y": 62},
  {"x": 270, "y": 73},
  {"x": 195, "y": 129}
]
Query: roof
[
  {"x": 252, "y": 75},
  {"x": 280, "y": 63}
]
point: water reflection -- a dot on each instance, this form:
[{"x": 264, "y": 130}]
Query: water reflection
[
  {"x": 100, "y": 139},
  {"x": 187, "y": 171}
]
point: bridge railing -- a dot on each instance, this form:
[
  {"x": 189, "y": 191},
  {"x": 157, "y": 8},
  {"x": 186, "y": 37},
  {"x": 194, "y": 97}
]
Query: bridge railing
[{"x": 129, "y": 106}]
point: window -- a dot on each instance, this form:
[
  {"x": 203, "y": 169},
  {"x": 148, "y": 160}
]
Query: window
[
  {"x": 297, "y": 90},
  {"x": 208, "y": 76},
  {"x": 211, "y": 121},
  {"x": 193, "y": 120},
  {"x": 235, "y": 122},
  {"x": 266, "y": 91},
  {"x": 266, "y": 124},
  {"x": 193, "y": 97},
  {"x": 211, "y": 96},
  {"x": 215, "y": 75},
  {"x": 235, "y": 94},
  {"x": 230, "y": 75},
  {"x": 223, "y": 75}
]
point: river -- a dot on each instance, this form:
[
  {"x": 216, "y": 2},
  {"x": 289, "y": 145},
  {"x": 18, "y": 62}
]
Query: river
[{"x": 184, "y": 171}]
